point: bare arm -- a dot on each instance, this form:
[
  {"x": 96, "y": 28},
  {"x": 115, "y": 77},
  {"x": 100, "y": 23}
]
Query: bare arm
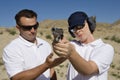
[
  {"x": 81, "y": 65},
  {"x": 31, "y": 74}
]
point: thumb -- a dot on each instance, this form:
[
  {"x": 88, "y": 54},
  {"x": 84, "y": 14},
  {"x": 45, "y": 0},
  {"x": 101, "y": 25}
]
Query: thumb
[{"x": 51, "y": 55}]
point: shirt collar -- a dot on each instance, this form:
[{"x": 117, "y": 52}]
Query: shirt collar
[
  {"x": 96, "y": 42},
  {"x": 27, "y": 43}
]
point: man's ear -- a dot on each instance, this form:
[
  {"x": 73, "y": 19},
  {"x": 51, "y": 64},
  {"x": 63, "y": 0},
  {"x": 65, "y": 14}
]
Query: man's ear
[{"x": 18, "y": 27}]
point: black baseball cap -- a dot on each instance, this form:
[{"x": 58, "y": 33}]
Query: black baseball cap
[{"x": 77, "y": 19}]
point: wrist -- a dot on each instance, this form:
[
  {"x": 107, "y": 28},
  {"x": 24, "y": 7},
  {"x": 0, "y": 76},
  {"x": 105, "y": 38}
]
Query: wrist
[
  {"x": 71, "y": 53},
  {"x": 46, "y": 65}
]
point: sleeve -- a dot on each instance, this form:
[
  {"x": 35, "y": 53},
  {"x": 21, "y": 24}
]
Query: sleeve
[
  {"x": 103, "y": 57},
  {"x": 13, "y": 61}
]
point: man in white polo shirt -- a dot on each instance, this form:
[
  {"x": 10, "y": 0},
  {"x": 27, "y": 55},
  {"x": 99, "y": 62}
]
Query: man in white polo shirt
[
  {"x": 28, "y": 57},
  {"x": 89, "y": 59}
]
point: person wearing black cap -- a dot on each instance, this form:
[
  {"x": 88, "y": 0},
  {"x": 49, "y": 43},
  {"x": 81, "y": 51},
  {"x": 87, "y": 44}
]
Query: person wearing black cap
[{"x": 89, "y": 58}]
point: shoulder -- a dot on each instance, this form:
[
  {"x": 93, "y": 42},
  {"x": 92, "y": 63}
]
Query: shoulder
[
  {"x": 13, "y": 43},
  {"x": 12, "y": 48},
  {"x": 75, "y": 42},
  {"x": 102, "y": 45},
  {"x": 106, "y": 47},
  {"x": 101, "y": 48}
]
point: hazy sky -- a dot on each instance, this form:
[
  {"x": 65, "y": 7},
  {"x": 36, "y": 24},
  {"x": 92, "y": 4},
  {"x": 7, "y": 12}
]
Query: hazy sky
[{"x": 105, "y": 10}]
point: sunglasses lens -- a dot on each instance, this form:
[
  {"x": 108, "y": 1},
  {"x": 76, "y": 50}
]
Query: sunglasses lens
[
  {"x": 35, "y": 27},
  {"x": 27, "y": 28},
  {"x": 30, "y": 27},
  {"x": 77, "y": 28}
]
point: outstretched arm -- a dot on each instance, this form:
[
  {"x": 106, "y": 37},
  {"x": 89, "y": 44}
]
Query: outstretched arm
[
  {"x": 67, "y": 50},
  {"x": 31, "y": 74}
]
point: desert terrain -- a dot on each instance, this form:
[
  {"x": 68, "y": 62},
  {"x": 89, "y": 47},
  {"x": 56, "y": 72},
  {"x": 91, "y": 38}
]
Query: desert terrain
[{"x": 110, "y": 33}]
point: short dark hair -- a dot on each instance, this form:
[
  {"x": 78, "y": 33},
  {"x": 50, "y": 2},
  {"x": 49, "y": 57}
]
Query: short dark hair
[{"x": 25, "y": 13}]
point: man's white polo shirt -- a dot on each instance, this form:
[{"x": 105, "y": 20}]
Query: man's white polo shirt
[{"x": 22, "y": 55}]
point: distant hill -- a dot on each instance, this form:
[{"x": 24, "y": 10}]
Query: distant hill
[{"x": 116, "y": 23}]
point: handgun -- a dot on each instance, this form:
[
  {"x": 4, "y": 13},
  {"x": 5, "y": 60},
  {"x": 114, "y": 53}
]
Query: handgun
[{"x": 57, "y": 34}]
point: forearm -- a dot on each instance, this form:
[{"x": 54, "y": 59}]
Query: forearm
[
  {"x": 31, "y": 74},
  {"x": 81, "y": 65}
]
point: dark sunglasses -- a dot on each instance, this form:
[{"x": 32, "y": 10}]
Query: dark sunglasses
[
  {"x": 29, "y": 27},
  {"x": 77, "y": 28}
]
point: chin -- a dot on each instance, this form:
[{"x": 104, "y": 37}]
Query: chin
[
  {"x": 32, "y": 40},
  {"x": 81, "y": 40}
]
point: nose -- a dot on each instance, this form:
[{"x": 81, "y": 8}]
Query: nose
[
  {"x": 32, "y": 30},
  {"x": 76, "y": 31}
]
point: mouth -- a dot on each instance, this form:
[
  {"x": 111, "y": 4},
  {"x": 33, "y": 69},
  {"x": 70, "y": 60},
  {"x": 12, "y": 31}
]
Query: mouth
[{"x": 79, "y": 35}]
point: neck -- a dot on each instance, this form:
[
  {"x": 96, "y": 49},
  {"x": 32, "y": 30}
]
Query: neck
[
  {"x": 35, "y": 41},
  {"x": 89, "y": 39}
]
